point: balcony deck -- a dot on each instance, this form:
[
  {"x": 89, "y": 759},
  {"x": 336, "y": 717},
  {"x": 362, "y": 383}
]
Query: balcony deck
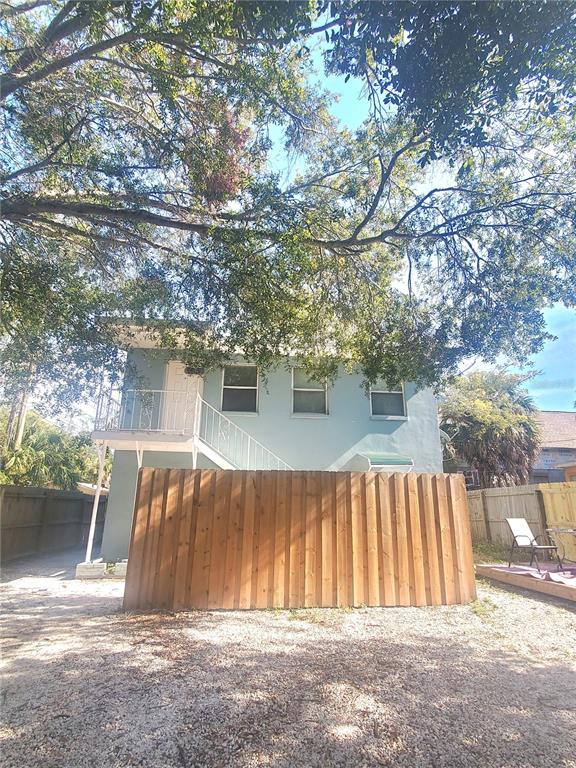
[
  {"x": 151, "y": 440},
  {"x": 177, "y": 421}
]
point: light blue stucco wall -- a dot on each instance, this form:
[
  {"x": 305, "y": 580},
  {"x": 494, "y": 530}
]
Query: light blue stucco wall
[
  {"x": 118, "y": 524},
  {"x": 304, "y": 442}
]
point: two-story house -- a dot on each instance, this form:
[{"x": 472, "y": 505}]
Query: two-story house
[{"x": 236, "y": 418}]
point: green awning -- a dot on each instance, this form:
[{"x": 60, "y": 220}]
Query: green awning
[{"x": 388, "y": 460}]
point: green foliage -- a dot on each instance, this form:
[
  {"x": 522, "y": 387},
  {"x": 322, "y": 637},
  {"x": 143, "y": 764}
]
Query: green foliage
[
  {"x": 485, "y": 552},
  {"x": 451, "y": 67},
  {"x": 52, "y": 306},
  {"x": 483, "y": 607},
  {"x": 489, "y": 417},
  {"x": 139, "y": 182},
  {"x": 48, "y": 456}
]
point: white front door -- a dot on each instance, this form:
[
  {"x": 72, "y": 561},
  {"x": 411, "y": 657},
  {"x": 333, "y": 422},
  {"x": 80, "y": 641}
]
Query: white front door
[{"x": 180, "y": 396}]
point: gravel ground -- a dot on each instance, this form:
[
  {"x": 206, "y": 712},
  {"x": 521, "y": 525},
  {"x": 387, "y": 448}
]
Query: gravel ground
[{"x": 492, "y": 684}]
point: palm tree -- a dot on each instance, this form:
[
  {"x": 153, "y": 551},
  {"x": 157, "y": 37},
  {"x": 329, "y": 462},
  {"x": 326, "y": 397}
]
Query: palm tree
[
  {"x": 490, "y": 420},
  {"x": 47, "y": 456}
]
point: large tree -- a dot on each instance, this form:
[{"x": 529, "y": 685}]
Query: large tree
[
  {"x": 139, "y": 139},
  {"x": 490, "y": 420}
]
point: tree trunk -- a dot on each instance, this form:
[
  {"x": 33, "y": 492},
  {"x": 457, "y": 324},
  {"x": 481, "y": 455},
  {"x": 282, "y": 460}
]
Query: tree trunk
[
  {"x": 21, "y": 419},
  {"x": 11, "y": 423},
  {"x": 18, "y": 413}
]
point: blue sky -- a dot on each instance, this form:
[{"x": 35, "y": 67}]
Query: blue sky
[{"x": 555, "y": 386}]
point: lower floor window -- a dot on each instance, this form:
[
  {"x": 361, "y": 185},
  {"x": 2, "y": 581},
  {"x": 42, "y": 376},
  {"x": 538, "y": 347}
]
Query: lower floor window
[{"x": 386, "y": 401}]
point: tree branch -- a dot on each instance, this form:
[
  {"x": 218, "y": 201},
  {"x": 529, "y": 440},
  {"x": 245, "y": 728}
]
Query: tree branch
[
  {"x": 385, "y": 173},
  {"x": 34, "y": 167},
  {"x": 9, "y": 83},
  {"x": 16, "y": 10},
  {"x": 56, "y": 30}
]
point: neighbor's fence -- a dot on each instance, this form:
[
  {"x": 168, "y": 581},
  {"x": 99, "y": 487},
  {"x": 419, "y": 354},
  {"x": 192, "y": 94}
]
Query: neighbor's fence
[
  {"x": 559, "y": 503},
  {"x": 545, "y": 505},
  {"x": 288, "y": 539},
  {"x": 34, "y": 520}
]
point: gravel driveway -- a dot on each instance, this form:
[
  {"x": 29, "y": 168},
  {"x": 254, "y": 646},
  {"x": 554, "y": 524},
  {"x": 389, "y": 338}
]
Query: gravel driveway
[{"x": 489, "y": 685}]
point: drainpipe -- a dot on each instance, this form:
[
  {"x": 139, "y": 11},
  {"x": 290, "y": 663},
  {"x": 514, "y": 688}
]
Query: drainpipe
[{"x": 101, "y": 459}]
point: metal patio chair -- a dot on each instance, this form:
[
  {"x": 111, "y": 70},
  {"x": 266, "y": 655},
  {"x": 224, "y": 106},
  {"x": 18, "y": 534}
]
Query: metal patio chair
[{"x": 523, "y": 538}]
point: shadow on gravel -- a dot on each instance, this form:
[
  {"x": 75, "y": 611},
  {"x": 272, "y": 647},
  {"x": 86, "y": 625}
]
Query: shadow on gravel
[
  {"x": 536, "y": 597},
  {"x": 60, "y": 565},
  {"x": 230, "y": 689}
]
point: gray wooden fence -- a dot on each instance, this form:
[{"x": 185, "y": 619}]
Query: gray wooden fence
[
  {"x": 490, "y": 507},
  {"x": 34, "y": 520},
  {"x": 545, "y": 505}
]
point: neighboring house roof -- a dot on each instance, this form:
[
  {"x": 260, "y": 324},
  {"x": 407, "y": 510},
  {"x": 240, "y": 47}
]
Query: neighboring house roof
[{"x": 558, "y": 428}]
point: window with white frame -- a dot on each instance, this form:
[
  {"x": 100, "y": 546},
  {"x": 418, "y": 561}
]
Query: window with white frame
[
  {"x": 240, "y": 388},
  {"x": 387, "y": 400},
  {"x": 308, "y": 395}
]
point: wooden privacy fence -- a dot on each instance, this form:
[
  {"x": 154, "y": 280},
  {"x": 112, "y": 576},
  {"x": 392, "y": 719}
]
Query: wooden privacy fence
[
  {"x": 545, "y": 505},
  {"x": 34, "y": 520},
  {"x": 490, "y": 507},
  {"x": 239, "y": 539}
]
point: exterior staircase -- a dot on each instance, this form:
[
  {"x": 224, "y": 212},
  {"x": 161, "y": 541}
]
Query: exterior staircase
[{"x": 146, "y": 419}]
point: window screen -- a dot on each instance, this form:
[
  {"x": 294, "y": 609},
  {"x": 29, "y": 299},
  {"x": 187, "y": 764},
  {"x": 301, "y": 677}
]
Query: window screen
[
  {"x": 387, "y": 402},
  {"x": 308, "y": 395},
  {"x": 240, "y": 388}
]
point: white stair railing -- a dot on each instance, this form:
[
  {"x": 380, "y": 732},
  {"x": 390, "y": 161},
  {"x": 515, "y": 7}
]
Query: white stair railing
[
  {"x": 233, "y": 443},
  {"x": 180, "y": 412}
]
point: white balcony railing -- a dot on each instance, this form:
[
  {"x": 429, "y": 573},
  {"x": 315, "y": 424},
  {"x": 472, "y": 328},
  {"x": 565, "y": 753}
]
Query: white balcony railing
[{"x": 183, "y": 413}]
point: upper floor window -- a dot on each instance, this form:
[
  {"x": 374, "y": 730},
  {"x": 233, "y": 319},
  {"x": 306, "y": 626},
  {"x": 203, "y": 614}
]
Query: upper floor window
[
  {"x": 387, "y": 401},
  {"x": 308, "y": 395},
  {"x": 240, "y": 388}
]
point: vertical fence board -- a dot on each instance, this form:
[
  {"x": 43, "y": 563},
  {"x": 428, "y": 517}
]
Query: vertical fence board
[
  {"x": 445, "y": 539},
  {"x": 328, "y": 546},
  {"x": 341, "y": 541},
  {"x": 279, "y": 542},
  {"x": 373, "y": 596},
  {"x": 136, "y": 563},
  {"x": 358, "y": 552},
  {"x": 463, "y": 540},
  {"x": 254, "y": 564},
  {"x": 417, "y": 548},
  {"x": 200, "y": 572},
  {"x": 245, "y": 591},
  {"x": 385, "y": 488},
  {"x": 152, "y": 538},
  {"x": 231, "y": 565},
  {"x": 264, "y": 523},
  {"x": 434, "y": 577},
  {"x": 186, "y": 533},
  {"x": 267, "y": 537},
  {"x": 454, "y": 489},
  {"x": 403, "y": 563},
  {"x": 559, "y": 503},
  {"x": 169, "y": 543},
  {"x": 295, "y": 517},
  {"x": 263, "y": 539},
  {"x": 220, "y": 524}
]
